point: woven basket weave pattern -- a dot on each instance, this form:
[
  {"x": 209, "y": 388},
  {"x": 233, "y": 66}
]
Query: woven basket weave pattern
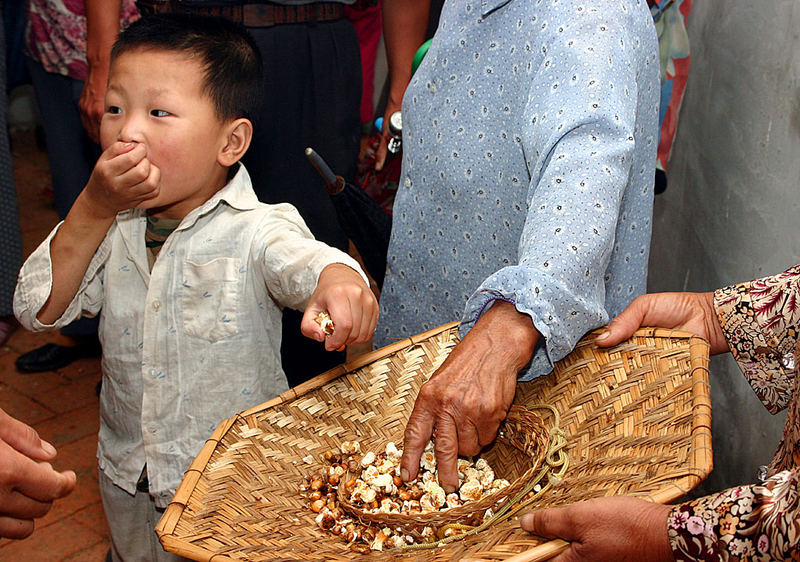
[{"x": 637, "y": 419}]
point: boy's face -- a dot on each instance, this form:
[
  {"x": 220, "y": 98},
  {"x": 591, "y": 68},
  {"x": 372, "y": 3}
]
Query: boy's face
[{"x": 156, "y": 98}]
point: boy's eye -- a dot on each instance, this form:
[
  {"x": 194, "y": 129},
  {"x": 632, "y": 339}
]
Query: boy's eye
[
  {"x": 159, "y": 113},
  {"x": 114, "y": 109}
]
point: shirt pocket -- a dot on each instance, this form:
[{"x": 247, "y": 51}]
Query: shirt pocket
[{"x": 210, "y": 298}]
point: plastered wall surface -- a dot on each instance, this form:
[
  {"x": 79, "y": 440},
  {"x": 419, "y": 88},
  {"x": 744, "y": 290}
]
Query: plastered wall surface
[{"x": 730, "y": 212}]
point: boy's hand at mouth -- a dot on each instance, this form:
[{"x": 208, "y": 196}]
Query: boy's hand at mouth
[{"x": 123, "y": 178}]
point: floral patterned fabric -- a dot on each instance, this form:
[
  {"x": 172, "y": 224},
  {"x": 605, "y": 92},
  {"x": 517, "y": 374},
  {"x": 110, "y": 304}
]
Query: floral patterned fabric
[
  {"x": 55, "y": 35},
  {"x": 762, "y": 521}
]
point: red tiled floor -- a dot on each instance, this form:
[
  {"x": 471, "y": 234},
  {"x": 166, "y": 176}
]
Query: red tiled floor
[
  {"x": 56, "y": 541},
  {"x": 62, "y": 406}
]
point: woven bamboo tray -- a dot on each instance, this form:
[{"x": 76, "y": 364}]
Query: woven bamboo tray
[{"x": 637, "y": 419}]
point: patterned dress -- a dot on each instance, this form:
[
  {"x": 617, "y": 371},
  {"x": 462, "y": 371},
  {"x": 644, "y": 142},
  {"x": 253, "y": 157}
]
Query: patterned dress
[
  {"x": 758, "y": 521},
  {"x": 529, "y": 144}
]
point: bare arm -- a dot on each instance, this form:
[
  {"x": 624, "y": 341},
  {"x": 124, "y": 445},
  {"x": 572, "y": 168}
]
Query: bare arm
[
  {"x": 404, "y": 26},
  {"x": 102, "y": 22},
  {"x": 122, "y": 179}
]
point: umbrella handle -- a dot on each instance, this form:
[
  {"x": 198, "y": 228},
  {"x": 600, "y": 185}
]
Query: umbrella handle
[{"x": 333, "y": 183}]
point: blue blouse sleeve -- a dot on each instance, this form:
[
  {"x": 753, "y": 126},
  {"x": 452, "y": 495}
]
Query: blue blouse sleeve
[{"x": 584, "y": 128}]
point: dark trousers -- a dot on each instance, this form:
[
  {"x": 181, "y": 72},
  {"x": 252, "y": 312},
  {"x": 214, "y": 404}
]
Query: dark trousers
[
  {"x": 70, "y": 151},
  {"x": 10, "y": 234},
  {"x": 311, "y": 99}
]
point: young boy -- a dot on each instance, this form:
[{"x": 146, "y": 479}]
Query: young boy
[{"x": 189, "y": 269}]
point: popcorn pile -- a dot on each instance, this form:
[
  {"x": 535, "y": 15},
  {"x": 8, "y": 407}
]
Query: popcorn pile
[{"x": 379, "y": 489}]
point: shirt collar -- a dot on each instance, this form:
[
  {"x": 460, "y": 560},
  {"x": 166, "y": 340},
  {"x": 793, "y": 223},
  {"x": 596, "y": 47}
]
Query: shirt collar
[
  {"x": 238, "y": 193},
  {"x": 489, "y": 6}
]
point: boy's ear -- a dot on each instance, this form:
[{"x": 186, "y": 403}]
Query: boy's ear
[{"x": 239, "y": 133}]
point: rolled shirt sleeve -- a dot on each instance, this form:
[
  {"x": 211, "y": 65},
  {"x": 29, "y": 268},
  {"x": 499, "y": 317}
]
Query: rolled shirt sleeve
[
  {"x": 292, "y": 259},
  {"x": 580, "y": 152},
  {"x": 35, "y": 283}
]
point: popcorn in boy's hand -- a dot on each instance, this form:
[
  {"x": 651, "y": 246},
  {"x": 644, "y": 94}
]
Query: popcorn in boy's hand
[{"x": 325, "y": 322}]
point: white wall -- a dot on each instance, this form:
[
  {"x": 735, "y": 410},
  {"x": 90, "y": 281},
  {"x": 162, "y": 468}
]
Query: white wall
[{"x": 730, "y": 212}]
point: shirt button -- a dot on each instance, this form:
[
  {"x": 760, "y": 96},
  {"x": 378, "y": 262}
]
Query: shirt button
[
  {"x": 156, "y": 305},
  {"x": 407, "y": 182}
]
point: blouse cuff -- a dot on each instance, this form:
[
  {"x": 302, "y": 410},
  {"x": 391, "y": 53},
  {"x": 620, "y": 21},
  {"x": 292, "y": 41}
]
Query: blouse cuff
[{"x": 762, "y": 348}]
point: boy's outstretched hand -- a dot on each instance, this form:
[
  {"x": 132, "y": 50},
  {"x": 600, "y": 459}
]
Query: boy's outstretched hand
[
  {"x": 123, "y": 178},
  {"x": 351, "y": 304}
]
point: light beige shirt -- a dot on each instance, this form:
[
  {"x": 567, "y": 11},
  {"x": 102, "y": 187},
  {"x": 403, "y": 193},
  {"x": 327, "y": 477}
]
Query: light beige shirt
[{"x": 197, "y": 339}]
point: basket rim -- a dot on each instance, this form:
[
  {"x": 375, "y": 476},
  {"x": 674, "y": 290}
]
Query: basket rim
[{"x": 682, "y": 482}]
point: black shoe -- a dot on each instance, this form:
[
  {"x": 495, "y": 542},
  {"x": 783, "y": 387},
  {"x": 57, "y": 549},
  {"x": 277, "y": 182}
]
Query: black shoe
[{"x": 52, "y": 356}]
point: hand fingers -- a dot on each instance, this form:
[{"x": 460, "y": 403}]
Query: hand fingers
[
  {"x": 487, "y": 430},
  {"x": 445, "y": 447},
  {"x": 150, "y": 187},
  {"x": 136, "y": 150},
  {"x": 468, "y": 443},
  {"x": 417, "y": 434},
  {"x": 15, "y": 528},
  {"x": 624, "y": 325},
  {"x": 86, "y": 121},
  {"x": 550, "y": 523},
  {"x": 309, "y": 327},
  {"x": 40, "y": 482},
  {"x": 24, "y": 438},
  {"x": 20, "y": 506},
  {"x": 95, "y": 117},
  {"x": 90, "y": 119},
  {"x": 380, "y": 154},
  {"x": 369, "y": 318},
  {"x": 341, "y": 312}
]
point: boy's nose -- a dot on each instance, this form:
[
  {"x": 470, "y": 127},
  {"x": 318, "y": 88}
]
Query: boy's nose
[{"x": 130, "y": 131}]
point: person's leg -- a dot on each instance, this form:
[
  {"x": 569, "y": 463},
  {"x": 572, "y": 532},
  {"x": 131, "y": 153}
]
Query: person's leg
[
  {"x": 131, "y": 522},
  {"x": 10, "y": 234},
  {"x": 71, "y": 155},
  {"x": 311, "y": 98}
]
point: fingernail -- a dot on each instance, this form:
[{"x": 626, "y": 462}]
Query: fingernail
[
  {"x": 404, "y": 474},
  {"x": 603, "y": 336},
  {"x": 526, "y": 520},
  {"x": 48, "y": 448}
]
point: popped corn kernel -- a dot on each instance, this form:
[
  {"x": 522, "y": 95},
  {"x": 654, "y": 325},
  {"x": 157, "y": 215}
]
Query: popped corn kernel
[
  {"x": 351, "y": 448},
  {"x": 470, "y": 490}
]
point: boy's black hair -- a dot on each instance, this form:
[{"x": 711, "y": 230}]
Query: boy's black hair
[{"x": 229, "y": 56}]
